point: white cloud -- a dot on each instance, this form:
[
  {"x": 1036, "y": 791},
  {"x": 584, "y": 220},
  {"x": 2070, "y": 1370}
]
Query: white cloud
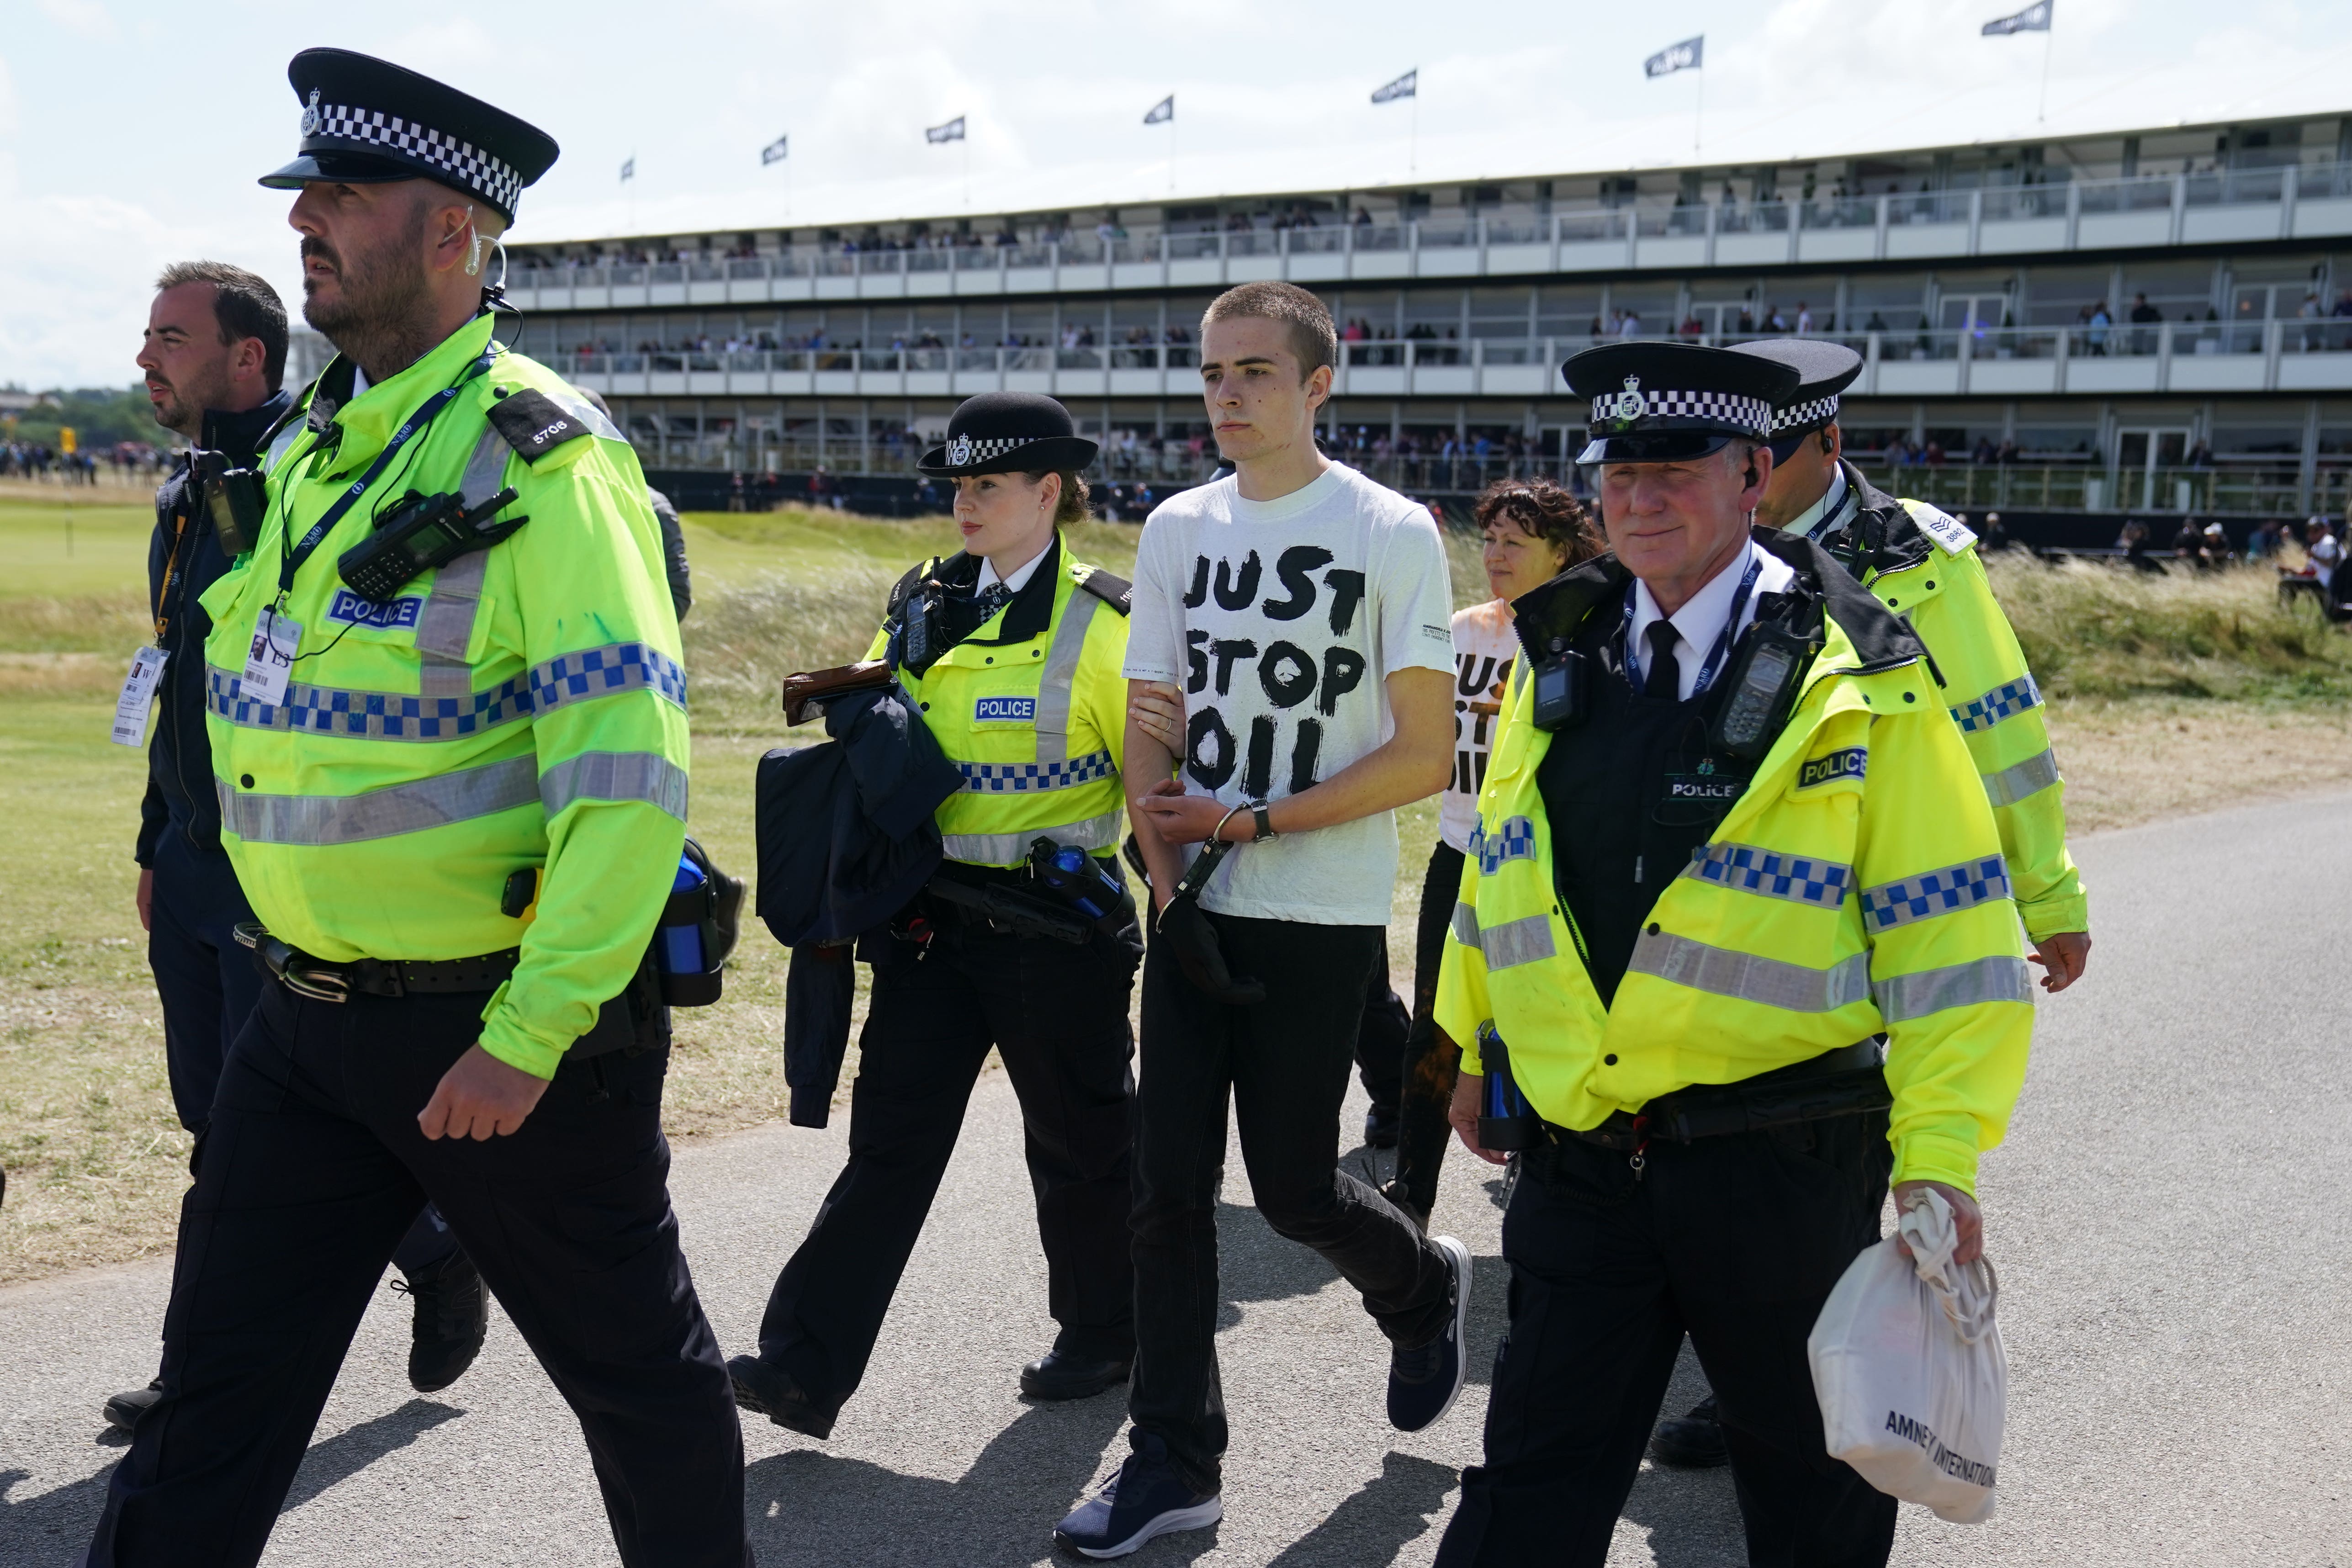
[{"x": 88, "y": 18}]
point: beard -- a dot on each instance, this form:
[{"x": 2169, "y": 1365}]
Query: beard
[
  {"x": 182, "y": 411},
  {"x": 381, "y": 314}
]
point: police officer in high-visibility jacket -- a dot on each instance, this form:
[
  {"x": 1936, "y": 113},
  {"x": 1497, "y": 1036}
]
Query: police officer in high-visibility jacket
[
  {"x": 1013, "y": 650},
  {"x": 1729, "y": 841},
  {"x": 450, "y": 749},
  {"x": 1922, "y": 564}
]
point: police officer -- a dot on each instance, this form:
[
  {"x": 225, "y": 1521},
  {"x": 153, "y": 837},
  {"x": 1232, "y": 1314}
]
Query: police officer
[
  {"x": 1924, "y": 565},
  {"x": 214, "y": 358},
  {"x": 1728, "y": 839},
  {"x": 454, "y": 794},
  {"x": 1014, "y": 650}
]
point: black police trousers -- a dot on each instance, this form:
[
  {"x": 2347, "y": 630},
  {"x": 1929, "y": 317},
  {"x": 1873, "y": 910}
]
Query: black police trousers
[
  {"x": 207, "y": 981},
  {"x": 1430, "y": 1063},
  {"x": 1736, "y": 1240},
  {"x": 311, "y": 1168},
  {"x": 1056, "y": 1013},
  {"x": 1282, "y": 1064}
]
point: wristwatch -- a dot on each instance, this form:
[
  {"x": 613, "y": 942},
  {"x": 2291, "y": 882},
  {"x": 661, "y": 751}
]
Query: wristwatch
[{"x": 1265, "y": 822}]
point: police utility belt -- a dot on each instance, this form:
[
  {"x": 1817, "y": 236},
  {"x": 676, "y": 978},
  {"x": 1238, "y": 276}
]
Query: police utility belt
[{"x": 1842, "y": 1082}]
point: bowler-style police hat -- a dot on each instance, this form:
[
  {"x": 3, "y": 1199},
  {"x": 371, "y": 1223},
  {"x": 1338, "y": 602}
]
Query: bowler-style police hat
[
  {"x": 1668, "y": 402},
  {"x": 1005, "y": 433},
  {"x": 1826, "y": 368},
  {"x": 369, "y": 122}
]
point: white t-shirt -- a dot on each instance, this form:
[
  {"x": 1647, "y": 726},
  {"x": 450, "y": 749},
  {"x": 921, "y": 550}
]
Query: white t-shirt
[
  {"x": 2326, "y": 556},
  {"x": 1484, "y": 647},
  {"x": 1281, "y": 621}
]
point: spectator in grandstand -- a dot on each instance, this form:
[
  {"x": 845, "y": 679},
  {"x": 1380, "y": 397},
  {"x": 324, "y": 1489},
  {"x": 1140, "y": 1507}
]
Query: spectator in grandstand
[
  {"x": 2267, "y": 539},
  {"x": 2323, "y": 554},
  {"x": 1804, "y": 319}
]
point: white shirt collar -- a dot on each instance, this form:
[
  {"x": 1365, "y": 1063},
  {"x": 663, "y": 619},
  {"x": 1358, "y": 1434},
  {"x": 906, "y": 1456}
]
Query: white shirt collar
[
  {"x": 1833, "y": 501},
  {"x": 1021, "y": 574},
  {"x": 1698, "y": 623}
]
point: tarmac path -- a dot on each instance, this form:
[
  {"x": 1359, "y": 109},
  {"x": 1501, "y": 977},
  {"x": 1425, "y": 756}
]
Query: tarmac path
[{"x": 2170, "y": 1217}]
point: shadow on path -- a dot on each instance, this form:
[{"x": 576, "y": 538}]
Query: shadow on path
[{"x": 1404, "y": 1501}]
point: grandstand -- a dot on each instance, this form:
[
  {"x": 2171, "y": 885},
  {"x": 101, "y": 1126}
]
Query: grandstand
[{"x": 2143, "y": 322}]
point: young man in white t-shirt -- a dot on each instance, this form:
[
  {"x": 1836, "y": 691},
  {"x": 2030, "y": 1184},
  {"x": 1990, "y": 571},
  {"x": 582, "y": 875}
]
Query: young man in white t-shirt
[{"x": 1289, "y": 636}]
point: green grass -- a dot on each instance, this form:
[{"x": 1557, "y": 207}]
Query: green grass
[{"x": 63, "y": 549}]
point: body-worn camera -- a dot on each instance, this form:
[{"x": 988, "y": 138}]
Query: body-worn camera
[
  {"x": 418, "y": 533},
  {"x": 1558, "y": 700},
  {"x": 234, "y": 498}
]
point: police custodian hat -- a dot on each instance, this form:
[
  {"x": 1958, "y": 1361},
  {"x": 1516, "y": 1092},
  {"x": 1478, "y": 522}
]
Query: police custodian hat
[
  {"x": 369, "y": 122},
  {"x": 1826, "y": 369},
  {"x": 1669, "y": 402},
  {"x": 1008, "y": 432}
]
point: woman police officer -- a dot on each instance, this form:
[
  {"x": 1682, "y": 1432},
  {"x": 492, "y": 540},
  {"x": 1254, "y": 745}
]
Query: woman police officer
[{"x": 1012, "y": 651}]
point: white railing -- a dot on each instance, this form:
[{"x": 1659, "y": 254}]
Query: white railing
[{"x": 2308, "y": 201}]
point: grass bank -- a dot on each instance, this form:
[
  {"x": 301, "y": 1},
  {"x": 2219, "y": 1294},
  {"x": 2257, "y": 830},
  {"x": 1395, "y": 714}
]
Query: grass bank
[{"x": 2166, "y": 696}]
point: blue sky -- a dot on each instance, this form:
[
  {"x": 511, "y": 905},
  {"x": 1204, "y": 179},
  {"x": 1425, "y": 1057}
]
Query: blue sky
[{"x": 131, "y": 133}]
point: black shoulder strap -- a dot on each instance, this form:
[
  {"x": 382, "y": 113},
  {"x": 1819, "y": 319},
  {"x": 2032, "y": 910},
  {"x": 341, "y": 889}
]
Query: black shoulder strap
[
  {"x": 1110, "y": 588},
  {"x": 533, "y": 424},
  {"x": 905, "y": 587}
]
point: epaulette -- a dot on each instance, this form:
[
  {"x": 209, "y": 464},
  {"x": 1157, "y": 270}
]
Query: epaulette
[
  {"x": 534, "y": 424},
  {"x": 1111, "y": 589}
]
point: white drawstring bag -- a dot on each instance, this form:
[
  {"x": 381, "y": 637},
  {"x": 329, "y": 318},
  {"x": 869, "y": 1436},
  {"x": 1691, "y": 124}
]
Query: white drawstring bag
[{"x": 1908, "y": 1367}]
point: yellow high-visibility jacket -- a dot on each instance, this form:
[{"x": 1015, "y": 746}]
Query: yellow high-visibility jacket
[
  {"x": 1033, "y": 707},
  {"x": 1856, "y": 887},
  {"x": 1923, "y": 566},
  {"x": 521, "y": 707}
]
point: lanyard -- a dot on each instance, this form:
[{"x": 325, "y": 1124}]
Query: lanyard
[
  {"x": 171, "y": 562},
  {"x": 1714, "y": 664},
  {"x": 417, "y": 421}
]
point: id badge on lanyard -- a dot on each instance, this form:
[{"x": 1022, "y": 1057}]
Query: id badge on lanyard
[
  {"x": 270, "y": 661},
  {"x": 131, "y": 709}
]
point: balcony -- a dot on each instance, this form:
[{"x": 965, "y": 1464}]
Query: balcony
[
  {"x": 2295, "y": 203},
  {"x": 2285, "y": 356}
]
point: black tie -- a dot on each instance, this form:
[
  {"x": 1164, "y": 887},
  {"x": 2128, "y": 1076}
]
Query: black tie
[{"x": 1665, "y": 679}]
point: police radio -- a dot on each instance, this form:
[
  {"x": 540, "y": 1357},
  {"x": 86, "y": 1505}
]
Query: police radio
[
  {"x": 418, "y": 533},
  {"x": 1763, "y": 683},
  {"x": 234, "y": 498}
]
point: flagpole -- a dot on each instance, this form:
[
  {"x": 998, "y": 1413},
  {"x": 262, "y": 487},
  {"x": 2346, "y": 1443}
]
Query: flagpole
[
  {"x": 1172, "y": 152},
  {"x": 1413, "y": 154},
  {"x": 1699, "y": 110},
  {"x": 2042, "y": 110}
]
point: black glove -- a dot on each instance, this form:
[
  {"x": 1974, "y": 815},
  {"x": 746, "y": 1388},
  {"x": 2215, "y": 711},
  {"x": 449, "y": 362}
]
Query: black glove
[{"x": 1188, "y": 934}]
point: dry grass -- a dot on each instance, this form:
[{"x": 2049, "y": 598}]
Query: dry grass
[{"x": 97, "y": 1162}]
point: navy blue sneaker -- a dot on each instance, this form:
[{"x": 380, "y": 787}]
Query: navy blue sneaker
[
  {"x": 1147, "y": 1498},
  {"x": 1424, "y": 1382}
]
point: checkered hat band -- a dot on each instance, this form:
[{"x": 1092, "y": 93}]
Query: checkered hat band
[
  {"x": 1803, "y": 416},
  {"x": 1717, "y": 407},
  {"x": 963, "y": 450},
  {"x": 468, "y": 167}
]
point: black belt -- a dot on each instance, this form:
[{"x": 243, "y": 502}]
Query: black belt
[
  {"x": 322, "y": 980},
  {"x": 1842, "y": 1082}
]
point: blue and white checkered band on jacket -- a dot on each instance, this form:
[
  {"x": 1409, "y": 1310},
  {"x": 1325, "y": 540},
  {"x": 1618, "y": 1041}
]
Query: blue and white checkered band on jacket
[
  {"x": 1616, "y": 413},
  {"x": 462, "y": 164},
  {"x": 1804, "y": 415}
]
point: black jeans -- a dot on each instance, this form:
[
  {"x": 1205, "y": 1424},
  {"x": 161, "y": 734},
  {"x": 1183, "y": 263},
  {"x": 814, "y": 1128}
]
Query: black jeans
[
  {"x": 1058, "y": 1014},
  {"x": 1430, "y": 1062},
  {"x": 1736, "y": 1240},
  {"x": 312, "y": 1167},
  {"x": 1285, "y": 1064}
]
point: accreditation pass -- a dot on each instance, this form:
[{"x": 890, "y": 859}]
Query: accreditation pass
[
  {"x": 270, "y": 660},
  {"x": 138, "y": 695}
]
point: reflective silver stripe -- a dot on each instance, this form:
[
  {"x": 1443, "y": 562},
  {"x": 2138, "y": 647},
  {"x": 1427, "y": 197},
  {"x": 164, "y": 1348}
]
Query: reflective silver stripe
[
  {"x": 411, "y": 807},
  {"x": 1751, "y": 869},
  {"x": 2032, "y": 776},
  {"x": 1055, "y": 681},
  {"x": 647, "y": 776},
  {"x": 1751, "y": 977},
  {"x": 2003, "y": 701},
  {"x": 1515, "y": 942},
  {"x": 1936, "y": 892},
  {"x": 583, "y": 410},
  {"x": 1904, "y": 997},
  {"x": 447, "y": 625},
  {"x": 355, "y": 714},
  {"x": 1009, "y": 848},
  {"x": 283, "y": 443},
  {"x": 1465, "y": 926}
]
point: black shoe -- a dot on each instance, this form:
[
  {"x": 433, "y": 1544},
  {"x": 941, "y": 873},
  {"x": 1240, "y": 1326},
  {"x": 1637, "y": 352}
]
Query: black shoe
[
  {"x": 762, "y": 1390},
  {"x": 1067, "y": 1374},
  {"x": 1424, "y": 1382},
  {"x": 1147, "y": 1498},
  {"x": 1381, "y": 1124},
  {"x": 123, "y": 1411},
  {"x": 1691, "y": 1442},
  {"x": 452, "y": 1314}
]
